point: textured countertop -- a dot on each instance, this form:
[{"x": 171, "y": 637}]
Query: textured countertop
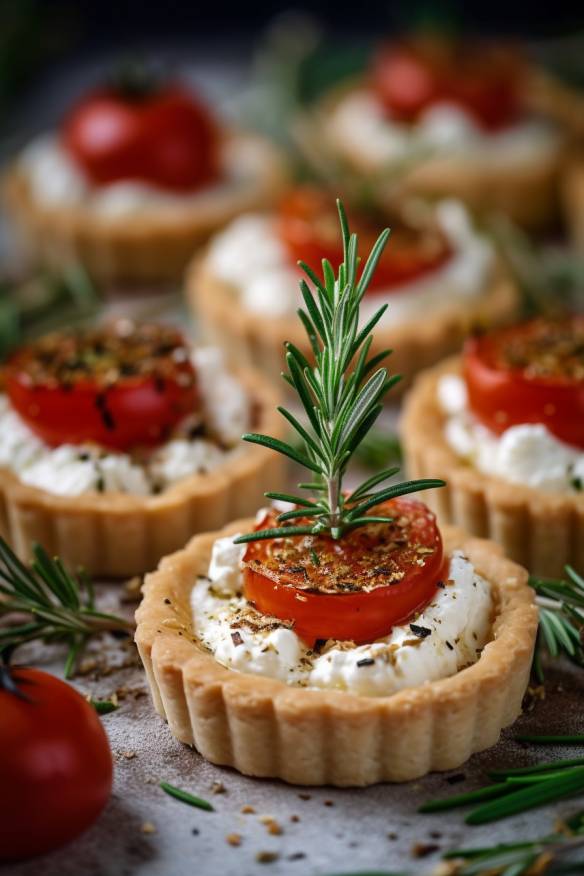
[{"x": 324, "y": 831}]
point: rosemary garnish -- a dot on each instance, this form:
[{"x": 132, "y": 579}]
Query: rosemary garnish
[
  {"x": 103, "y": 707},
  {"x": 60, "y": 607},
  {"x": 341, "y": 394},
  {"x": 561, "y": 618},
  {"x": 516, "y": 791},
  {"x": 185, "y": 797}
]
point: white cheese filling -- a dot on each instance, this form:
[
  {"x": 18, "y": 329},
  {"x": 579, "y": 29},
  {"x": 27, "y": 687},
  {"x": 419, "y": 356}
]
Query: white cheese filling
[
  {"x": 525, "y": 454},
  {"x": 451, "y": 632},
  {"x": 56, "y": 181},
  {"x": 249, "y": 256},
  {"x": 74, "y": 469},
  {"x": 359, "y": 127}
]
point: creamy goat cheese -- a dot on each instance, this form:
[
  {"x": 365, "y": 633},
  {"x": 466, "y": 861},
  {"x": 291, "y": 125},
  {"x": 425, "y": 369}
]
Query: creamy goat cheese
[
  {"x": 360, "y": 127},
  {"x": 56, "y": 181},
  {"x": 249, "y": 255},
  {"x": 525, "y": 454},
  {"x": 71, "y": 470},
  {"x": 456, "y": 626}
]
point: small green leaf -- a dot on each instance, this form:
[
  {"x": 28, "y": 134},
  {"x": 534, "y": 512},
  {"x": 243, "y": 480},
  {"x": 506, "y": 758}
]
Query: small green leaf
[{"x": 185, "y": 797}]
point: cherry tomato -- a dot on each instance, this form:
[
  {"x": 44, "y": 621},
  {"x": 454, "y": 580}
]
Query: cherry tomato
[
  {"x": 483, "y": 79},
  {"x": 356, "y": 588},
  {"x": 530, "y": 373},
  {"x": 117, "y": 388},
  {"x": 55, "y": 764},
  {"x": 166, "y": 137},
  {"x": 308, "y": 225}
]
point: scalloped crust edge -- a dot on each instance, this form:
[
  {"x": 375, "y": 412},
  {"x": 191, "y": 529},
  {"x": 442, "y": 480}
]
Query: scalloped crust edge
[
  {"x": 542, "y": 531},
  {"x": 120, "y": 535},
  {"x": 265, "y": 728},
  {"x": 151, "y": 247},
  {"x": 416, "y": 344}
]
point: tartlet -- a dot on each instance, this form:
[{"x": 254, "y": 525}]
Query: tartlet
[
  {"x": 463, "y": 111},
  {"x": 541, "y": 528},
  {"x": 119, "y": 529},
  {"x": 133, "y": 210},
  {"x": 420, "y": 337},
  {"x": 341, "y": 639},
  {"x": 263, "y": 727}
]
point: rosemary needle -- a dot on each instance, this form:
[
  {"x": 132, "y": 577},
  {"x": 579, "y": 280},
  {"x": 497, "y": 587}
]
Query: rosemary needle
[
  {"x": 103, "y": 707},
  {"x": 564, "y": 785},
  {"x": 185, "y": 797},
  {"x": 469, "y": 797},
  {"x": 538, "y": 768}
]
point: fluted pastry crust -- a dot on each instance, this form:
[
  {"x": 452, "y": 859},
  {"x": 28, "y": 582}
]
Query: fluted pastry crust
[
  {"x": 526, "y": 191},
  {"x": 542, "y": 531},
  {"x": 259, "y": 340},
  {"x": 263, "y": 727},
  {"x": 153, "y": 246},
  {"x": 119, "y": 534}
]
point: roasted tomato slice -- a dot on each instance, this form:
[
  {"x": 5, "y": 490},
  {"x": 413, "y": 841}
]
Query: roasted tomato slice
[
  {"x": 121, "y": 387},
  {"x": 356, "y": 588},
  {"x": 530, "y": 373},
  {"x": 164, "y": 136},
  {"x": 308, "y": 225},
  {"x": 483, "y": 79}
]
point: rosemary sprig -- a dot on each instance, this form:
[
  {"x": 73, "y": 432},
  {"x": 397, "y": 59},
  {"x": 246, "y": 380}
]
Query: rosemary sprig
[
  {"x": 524, "y": 857},
  {"x": 58, "y": 606},
  {"x": 341, "y": 394},
  {"x": 185, "y": 797},
  {"x": 515, "y": 791},
  {"x": 561, "y": 618}
]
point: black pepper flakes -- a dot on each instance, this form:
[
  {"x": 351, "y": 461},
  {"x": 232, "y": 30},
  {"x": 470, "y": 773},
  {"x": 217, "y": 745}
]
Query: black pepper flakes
[
  {"x": 366, "y": 661},
  {"x": 420, "y": 632}
]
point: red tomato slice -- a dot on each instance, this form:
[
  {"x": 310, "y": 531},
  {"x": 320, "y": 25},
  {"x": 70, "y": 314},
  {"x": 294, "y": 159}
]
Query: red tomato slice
[
  {"x": 117, "y": 389},
  {"x": 362, "y": 585},
  {"x": 309, "y": 227},
  {"x": 483, "y": 79},
  {"x": 166, "y": 138},
  {"x": 530, "y": 373},
  {"x": 55, "y": 765}
]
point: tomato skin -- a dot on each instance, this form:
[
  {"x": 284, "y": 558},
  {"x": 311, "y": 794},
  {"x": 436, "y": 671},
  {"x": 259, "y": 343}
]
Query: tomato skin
[
  {"x": 51, "y": 386},
  {"x": 55, "y": 766},
  {"x": 410, "y": 77},
  {"x": 167, "y": 139},
  {"x": 360, "y": 616},
  {"x": 308, "y": 226},
  {"x": 503, "y": 397},
  {"x": 140, "y": 414}
]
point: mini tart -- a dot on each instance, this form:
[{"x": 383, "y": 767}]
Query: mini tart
[
  {"x": 259, "y": 341},
  {"x": 149, "y": 246},
  {"x": 119, "y": 534},
  {"x": 525, "y": 191},
  {"x": 542, "y": 531},
  {"x": 263, "y": 727}
]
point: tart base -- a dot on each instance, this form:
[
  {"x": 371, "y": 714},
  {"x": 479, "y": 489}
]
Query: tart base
[
  {"x": 524, "y": 190},
  {"x": 263, "y": 727},
  {"x": 120, "y": 535},
  {"x": 150, "y": 246},
  {"x": 573, "y": 198},
  {"x": 542, "y": 531},
  {"x": 416, "y": 344}
]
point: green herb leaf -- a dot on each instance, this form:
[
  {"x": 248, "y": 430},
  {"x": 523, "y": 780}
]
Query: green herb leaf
[
  {"x": 103, "y": 707},
  {"x": 185, "y": 797}
]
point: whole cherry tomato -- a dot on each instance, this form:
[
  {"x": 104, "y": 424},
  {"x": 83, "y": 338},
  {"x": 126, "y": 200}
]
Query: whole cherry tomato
[
  {"x": 308, "y": 225},
  {"x": 165, "y": 137},
  {"x": 529, "y": 373},
  {"x": 355, "y": 589},
  {"x": 55, "y": 763},
  {"x": 483, "y": 79},
  {"x": 115, "y": 387}
]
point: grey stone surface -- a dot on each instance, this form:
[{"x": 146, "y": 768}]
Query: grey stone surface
[{"x": 145, "y": 832}]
